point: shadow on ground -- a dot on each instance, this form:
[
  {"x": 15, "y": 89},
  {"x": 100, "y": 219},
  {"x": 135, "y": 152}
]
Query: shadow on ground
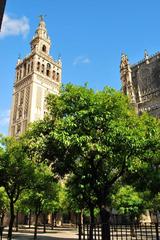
[
  {"x": 24, "y": 237},
  {"x": 58, "y": 233}
]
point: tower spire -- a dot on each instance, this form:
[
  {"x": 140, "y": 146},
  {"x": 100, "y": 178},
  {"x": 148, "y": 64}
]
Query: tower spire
[
  {"x": 41, "y": 40},
  {"x": 41, "y": 17}
]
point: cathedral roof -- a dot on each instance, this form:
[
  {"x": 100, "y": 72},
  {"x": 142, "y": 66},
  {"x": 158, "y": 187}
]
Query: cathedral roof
[{"x": 146, "y": 58}]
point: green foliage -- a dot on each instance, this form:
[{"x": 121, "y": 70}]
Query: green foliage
[
  {"x": 144, "y": 173},
  {"x": 42, "y": 197},
  {"x": 128, "y": 201},
  {"x": 101, "y": 133},
  {"x": 156, "y": 202},
  {"x": 98, "y": 137},
  {"x": 16, "y": 170},
  {"x": 4, "y": 203}
]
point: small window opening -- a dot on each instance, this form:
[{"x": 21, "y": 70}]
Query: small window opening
[
  {"x": 42, "y": 70},
  {"x": 38, "y": 66},
  {"x": 44, "y": 48},
  {"x": 17, "y": 76},
  {"x": 57, "y": 77},
  {"x": 48, "y": 69},
  {"x": 54, "y": 75},
  {"x": 24, "y": 70},
  {"x": 31, "y": 66},
  {"x": 28, "y": 68},
  {"x": 48, "y": 72}
]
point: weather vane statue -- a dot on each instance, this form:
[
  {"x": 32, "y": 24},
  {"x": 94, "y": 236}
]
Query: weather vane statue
[{"x": 41, "y": 17}]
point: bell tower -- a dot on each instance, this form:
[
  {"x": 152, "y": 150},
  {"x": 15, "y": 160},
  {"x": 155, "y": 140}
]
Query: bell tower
[
  {"x": 41, "y": 41},
  {"x": 36, "y": 75}
]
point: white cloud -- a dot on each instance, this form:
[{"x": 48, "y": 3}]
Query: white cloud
[
  {"x": 14, "y": 26},
  {"x": 4, "y": 118},
  {"x": 81, "y": 60}
]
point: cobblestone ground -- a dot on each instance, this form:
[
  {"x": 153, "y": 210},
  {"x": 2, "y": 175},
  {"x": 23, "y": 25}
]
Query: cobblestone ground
[{"x": 56, "y": 234}]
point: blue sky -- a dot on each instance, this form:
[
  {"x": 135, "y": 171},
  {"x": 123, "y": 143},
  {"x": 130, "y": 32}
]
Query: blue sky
[{"x": 90, "y": 35}]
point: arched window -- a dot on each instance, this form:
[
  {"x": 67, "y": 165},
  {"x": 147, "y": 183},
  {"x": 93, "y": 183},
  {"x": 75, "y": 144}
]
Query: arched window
[
  {"x": 18, "y": 128},
  {"x": 42, "y": 69},
  {"x": 20, "y": 113},
  {"x": 38, "y": 66},
  {"x": 48, "y": 65},
  {"x": 44, "y": 48},
  {"x": 48, "y": 69},
  {"x": 54, "y": 75},
  {"x": 48, "y": 72},
  {"x": 57, "y": 77}
]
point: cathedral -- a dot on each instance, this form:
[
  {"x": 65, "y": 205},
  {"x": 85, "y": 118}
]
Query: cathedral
[
  {"x": 141, "y": 82},
  {"x": 37, "y": 75}
]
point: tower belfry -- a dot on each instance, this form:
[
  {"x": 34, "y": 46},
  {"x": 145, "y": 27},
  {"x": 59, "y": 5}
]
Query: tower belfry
[{"x": 36, "y": 75}]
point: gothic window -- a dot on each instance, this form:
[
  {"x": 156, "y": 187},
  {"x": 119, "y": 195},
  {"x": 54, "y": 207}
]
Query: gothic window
[
  {"x": 26, "y": 101},
  {"x": 38, "y": 66},
  {"x": 54, "y": 75},
  {"x": 21, "y": 97},
  {"x": 15, "y": 107},
  {"x": 20, "y": 113},
  {"x": 44, "y": 48},
  {"x": 24, "y": 125},
  {"x": 18, "y": 128},
  {"x": 42, "y": 70}
]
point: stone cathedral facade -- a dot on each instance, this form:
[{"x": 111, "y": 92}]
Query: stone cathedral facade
[
  {"x": 36, "y": 75},
  {"x": 141, "y": 82}
]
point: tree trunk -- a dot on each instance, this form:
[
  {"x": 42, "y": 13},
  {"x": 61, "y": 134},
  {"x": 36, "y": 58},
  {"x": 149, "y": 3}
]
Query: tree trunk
[
  {"x": 81, "y": 217},
  {"x": 76, "y": 220},
  {"x": 132, "y": 228},
  {"x": 44, "y": 222},
  {"x": 30, "y": 215},
  {"x": 55, "y": 223},
  {"x": 17, "y": 221},
  {"x": 105, "y": 217},
  {"x": 2, "y": 218},
  {"x": 52, "y": 225},
  {"x": 12, "y": 217},
  {"x": 91, "y": 223},
  {"x": 80, "y": 223},
  {"x": 36, "y": 225},
  {"x": 157, "y": 216}
]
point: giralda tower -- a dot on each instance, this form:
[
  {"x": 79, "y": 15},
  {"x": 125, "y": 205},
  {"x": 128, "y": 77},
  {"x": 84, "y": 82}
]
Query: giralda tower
[{"x": 36, "y": 75}]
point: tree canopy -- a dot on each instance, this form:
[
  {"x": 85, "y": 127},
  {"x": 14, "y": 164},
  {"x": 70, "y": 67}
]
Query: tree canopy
[{"x": 100, "y": 135}]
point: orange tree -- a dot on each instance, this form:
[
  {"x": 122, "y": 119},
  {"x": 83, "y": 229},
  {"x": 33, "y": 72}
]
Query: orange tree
[
  {"x": 16, "y": 173},
  {"x": 98, "y": 132}
]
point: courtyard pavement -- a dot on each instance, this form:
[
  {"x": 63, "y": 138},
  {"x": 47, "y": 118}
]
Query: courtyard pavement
[{"x": 59, "y": 233}]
